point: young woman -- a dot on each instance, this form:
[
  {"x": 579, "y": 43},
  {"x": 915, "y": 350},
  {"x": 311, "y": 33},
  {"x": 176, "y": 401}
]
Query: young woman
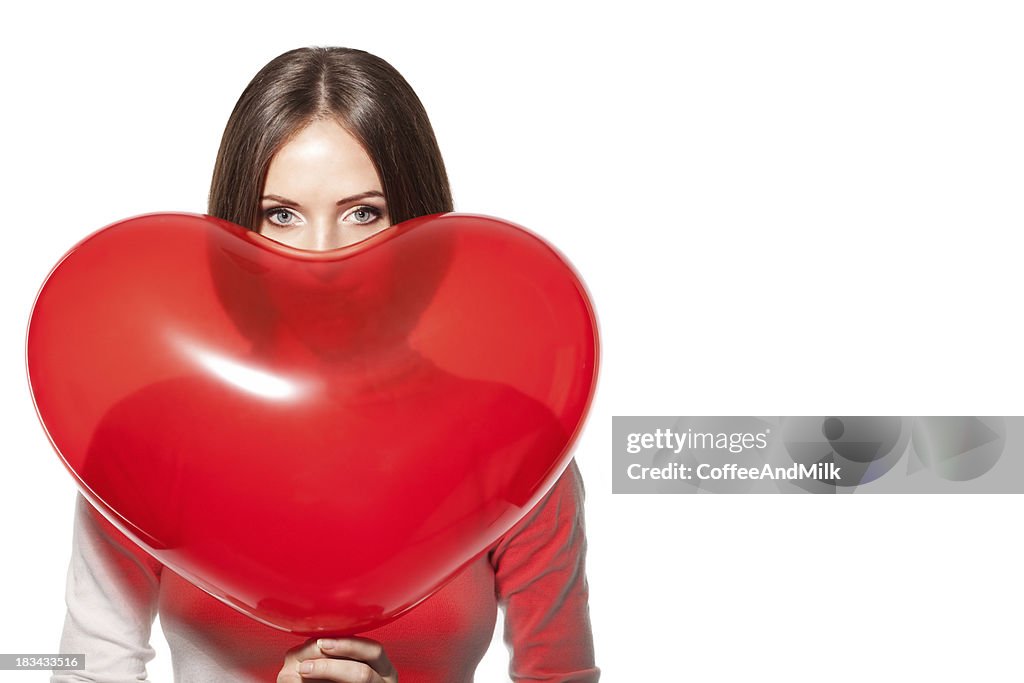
[{"x": 326, "y": 147}]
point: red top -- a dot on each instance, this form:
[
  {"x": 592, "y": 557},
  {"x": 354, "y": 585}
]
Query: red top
[{"x": 536, "y": 573}]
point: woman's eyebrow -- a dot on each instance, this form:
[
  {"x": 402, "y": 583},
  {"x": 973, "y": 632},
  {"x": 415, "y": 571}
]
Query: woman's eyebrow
[
  {"x": 361, "y": 195},
  {"x": 279, "y": 198},
  {"x": 346, "y": 200}
]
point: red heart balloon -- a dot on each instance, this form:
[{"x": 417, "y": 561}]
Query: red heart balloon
[{"x": 318, "y": 439}]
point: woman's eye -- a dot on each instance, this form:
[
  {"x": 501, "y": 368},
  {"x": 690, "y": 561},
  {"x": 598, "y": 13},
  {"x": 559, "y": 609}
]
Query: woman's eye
[
  {"x": 280, "y": 216},
  {"x": 363, "y": 214}
]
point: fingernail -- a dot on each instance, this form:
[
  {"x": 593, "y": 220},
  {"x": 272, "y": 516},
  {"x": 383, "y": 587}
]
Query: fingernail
[
  {"x": 306, "y": 667},
  {"x": 326, "y": 643}
]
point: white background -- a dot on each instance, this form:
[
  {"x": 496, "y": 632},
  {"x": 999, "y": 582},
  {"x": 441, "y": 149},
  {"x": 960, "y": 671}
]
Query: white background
[{"x": 787, "y": 208}]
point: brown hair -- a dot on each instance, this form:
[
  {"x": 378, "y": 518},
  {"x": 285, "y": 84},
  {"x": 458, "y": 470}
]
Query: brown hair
[{"x": 367, "y": 96}]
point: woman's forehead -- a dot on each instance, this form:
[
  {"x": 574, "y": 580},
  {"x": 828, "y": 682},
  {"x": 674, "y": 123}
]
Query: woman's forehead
[{"x": 321, "y": 157}]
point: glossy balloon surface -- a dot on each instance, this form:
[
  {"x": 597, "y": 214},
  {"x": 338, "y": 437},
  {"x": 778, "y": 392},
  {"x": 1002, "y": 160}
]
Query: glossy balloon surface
[{"x": 319, "y": 439}]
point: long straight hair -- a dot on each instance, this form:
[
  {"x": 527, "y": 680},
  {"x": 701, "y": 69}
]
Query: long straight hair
[{"x": 366, "y": 95}]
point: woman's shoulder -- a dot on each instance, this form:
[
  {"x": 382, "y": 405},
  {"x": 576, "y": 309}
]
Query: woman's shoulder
[
  {"x": 95, "y": 533},
  {"x": 558, "y": 516}
]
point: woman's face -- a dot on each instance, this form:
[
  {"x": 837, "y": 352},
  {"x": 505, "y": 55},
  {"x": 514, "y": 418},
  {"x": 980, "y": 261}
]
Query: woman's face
[{"x": 322, "y": 191}]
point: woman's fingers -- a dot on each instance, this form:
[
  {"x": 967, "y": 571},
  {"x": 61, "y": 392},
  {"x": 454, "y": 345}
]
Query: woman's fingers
[
  {"x": 361, "y": 649},
  {"x": 339, "y": 670},
  {"x": 362, "y": 660},
  {"x": 289, "y": 673}
]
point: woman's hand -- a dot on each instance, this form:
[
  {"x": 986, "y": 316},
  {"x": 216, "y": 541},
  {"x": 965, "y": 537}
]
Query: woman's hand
[{"x": 343, "y": 660}]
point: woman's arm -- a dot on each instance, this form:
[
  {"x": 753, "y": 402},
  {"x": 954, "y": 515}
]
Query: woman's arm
[
  {"x": 540, "y": 579},
  {"x": 112, "y": 593}
]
